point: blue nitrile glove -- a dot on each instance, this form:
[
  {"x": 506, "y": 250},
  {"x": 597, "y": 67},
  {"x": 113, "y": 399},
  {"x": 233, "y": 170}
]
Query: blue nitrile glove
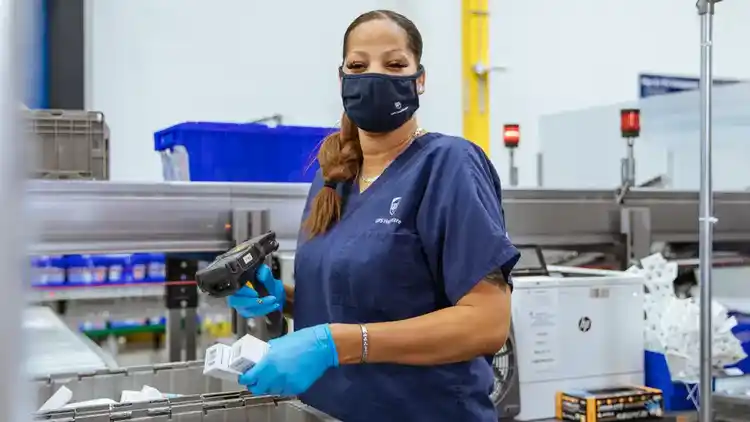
[
  {"x": 246, "y": 300},
  {"x": 293, "y": 362}
]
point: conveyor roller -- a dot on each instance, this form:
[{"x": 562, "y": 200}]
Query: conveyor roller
[{"x": 221, "y": 407}]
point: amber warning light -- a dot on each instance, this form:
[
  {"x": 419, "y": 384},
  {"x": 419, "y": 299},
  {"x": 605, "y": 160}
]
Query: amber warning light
[
  {"x": 511, "y": 135},
  {"x": 630, "y": 123}
]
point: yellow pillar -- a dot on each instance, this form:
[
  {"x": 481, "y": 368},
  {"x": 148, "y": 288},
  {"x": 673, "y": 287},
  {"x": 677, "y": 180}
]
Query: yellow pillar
[{"x": 475, "y": 21}]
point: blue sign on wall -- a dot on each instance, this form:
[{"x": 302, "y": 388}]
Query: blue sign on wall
[{"x": 651, "y": 84}]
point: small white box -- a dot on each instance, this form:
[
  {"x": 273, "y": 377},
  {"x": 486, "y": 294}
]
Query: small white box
[
  {"x": 216, "y": 364},
  {"x": 246, "y": 352}
]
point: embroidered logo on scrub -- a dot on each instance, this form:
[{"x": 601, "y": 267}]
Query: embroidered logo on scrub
[{"x": 394, "y": 207}]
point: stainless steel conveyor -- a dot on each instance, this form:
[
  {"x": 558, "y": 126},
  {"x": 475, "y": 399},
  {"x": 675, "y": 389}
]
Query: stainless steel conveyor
[
  {"x": 55, "y": 349},
  {"x": 108, "y": 217},
  {"x": 94, "y": 217}
]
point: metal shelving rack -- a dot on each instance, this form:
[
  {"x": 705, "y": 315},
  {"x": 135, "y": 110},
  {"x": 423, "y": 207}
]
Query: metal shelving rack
[{"x": 42, "y": 294}]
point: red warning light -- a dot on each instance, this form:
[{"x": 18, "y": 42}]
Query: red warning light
[
  {"x": 630, "y": 123},
  {"x": 511, "y": 135}
]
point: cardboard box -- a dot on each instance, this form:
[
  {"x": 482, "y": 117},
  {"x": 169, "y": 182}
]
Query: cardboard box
[
  {"x": 217, "y": 361},
  {"x": 610, "y": 404}
]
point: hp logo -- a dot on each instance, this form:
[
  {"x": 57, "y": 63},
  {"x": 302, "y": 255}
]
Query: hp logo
[{"x": 584, "y": 324}]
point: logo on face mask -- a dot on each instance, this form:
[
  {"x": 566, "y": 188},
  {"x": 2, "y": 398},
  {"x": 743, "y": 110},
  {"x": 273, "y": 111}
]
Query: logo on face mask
[{"x": 399, "y": 110}]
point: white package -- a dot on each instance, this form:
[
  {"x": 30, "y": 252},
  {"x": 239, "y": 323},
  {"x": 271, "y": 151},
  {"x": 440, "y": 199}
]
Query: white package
[
  {"x": 216, "y": 364},
  {"x": 147, "y": 393},
  {"x": 673, "y": 324},
  {"x": 89, "y": 403},
  {"x": 62, "y": 396},
  {"x": 246, "y": 352}
]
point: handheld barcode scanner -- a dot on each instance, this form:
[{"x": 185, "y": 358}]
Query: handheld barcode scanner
[{"x": 236, "y": 268}]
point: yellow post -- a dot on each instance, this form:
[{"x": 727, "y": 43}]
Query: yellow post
[{"x": 475, "y": 21}]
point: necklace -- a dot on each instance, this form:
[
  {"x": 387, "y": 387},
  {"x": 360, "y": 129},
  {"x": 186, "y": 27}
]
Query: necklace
[{"x": 370, "y": 180}]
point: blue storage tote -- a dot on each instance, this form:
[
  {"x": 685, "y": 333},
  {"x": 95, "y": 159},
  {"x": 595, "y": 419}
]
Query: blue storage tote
[
  {"x": 742, "y": 332},
  {"x": 247, "y": 152},
  {"x": 675, "y": 394}
]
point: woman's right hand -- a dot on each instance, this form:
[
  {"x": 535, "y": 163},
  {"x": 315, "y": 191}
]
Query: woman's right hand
[{"x": 249, "y": 305}]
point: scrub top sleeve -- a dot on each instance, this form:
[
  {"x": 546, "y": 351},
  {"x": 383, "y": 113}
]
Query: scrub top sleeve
[{"x": 462, "y": 225}]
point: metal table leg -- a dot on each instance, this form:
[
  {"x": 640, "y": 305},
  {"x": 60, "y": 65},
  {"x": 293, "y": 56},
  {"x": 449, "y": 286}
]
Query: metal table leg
[{"x": 181, "y": 299}]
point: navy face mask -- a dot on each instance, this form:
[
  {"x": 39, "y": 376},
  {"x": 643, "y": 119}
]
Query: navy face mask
[{"x": 378, "y": 102}]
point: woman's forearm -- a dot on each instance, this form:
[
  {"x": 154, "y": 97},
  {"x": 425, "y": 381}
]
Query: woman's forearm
[
  {"x": 453, "y": 334},
  {"x": 289, "y": 302}
]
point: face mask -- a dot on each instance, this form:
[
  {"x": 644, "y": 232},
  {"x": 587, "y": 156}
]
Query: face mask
[{"x": 377, "y": 102}]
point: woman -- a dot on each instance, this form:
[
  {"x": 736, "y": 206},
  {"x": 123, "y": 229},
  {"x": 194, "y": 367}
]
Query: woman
[{"x": 402, "y": 267}]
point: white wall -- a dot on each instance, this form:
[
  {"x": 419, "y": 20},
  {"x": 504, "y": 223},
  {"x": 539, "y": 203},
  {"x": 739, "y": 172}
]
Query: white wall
[
  {"x": 153, "y": 63},
  {"x": 156, "y": 63},
  {"x": 567, "y": 55},
  {"x": 669, "y": 144}
]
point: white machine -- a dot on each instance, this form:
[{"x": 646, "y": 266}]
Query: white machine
[{"x": 576, "y": 329}]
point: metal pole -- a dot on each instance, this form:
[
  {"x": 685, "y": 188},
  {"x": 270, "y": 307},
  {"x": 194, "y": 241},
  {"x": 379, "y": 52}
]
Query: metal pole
[
  {"x": 539, "y": 169},
  {"x": 15, "y": 392},
  {"x": 631, "y": 162},
  {"x": 513, "y": 169},
  {"x": 706, "y": 220}
]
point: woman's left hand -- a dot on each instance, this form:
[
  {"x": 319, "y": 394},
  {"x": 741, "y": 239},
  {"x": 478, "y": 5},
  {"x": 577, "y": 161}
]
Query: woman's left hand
[{"x": 293, "y": 362}]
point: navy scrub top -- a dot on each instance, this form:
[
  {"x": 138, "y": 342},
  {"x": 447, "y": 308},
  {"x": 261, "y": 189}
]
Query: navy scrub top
[{"x": 416, "y": 241}]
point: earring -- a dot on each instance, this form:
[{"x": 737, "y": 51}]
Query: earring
[{"x": 420, "y": 89}]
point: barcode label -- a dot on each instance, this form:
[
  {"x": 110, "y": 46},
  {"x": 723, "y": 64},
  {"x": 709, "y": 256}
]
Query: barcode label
[
  {"x": 248, "y": 258},
  {"x": 211, "y": 357}
]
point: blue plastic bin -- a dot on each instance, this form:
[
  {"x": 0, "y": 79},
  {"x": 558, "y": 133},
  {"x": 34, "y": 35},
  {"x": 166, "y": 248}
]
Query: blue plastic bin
[
  {"x": 101, "y": 269},
  {"x": 742, "y": 332},
  {"x": 139, "y": 267},
  {"x": 230, "y": 152},
  {"x": 80, "y": 270},
  {"x": 157, "y": 267},
  {"x": 44, "y": 273},
  {"x": 120, "y": 269},
  {"x": 676, "y": 397}
]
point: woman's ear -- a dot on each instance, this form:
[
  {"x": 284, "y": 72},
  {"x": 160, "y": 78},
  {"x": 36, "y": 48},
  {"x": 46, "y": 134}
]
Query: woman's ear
[{"x": 420, "y": 84}]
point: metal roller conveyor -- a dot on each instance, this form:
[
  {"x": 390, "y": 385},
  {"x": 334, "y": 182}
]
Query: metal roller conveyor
[
  {"x": 674, "y": 215},
  {"x": 220, "y": 407},
  {"x": 177, "y": 378}
]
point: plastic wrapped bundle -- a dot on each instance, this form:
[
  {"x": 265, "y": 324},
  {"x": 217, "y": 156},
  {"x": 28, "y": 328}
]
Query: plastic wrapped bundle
[{"x": 673, "y": 324}]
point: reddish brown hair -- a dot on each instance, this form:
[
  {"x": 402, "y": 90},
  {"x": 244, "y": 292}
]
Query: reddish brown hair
[{"x": 340, "y": 155}]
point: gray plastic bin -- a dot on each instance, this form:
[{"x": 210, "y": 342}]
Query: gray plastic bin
[{"x": 68, "y": 144}]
